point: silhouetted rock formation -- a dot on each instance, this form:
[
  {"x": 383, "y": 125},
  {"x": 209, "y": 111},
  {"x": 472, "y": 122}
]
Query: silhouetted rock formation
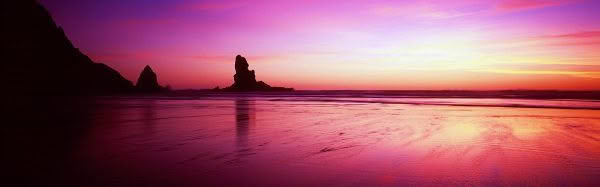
[
  {"x": 147, "y": 82},
  {"x": 40, "y": 59},
  {"x": 245, "y": 79}
]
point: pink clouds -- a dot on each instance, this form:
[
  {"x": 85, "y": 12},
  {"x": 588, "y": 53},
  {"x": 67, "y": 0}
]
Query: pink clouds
[
  {"x": 228, "y": 58},
  {"x": 576, "y": 39},
  {"x": 512, "y": 5},
  {"x": 213, "y": 5},
  {"x": 578, "y": 43},
  {"x": 416, "y": 11},
  {"x": 434, "y": 9},
  {"x": 427, "y": 9},
  {"x": 584, "y": 34}
]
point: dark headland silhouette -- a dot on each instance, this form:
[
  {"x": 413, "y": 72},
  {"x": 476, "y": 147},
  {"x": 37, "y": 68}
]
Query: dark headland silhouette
[
  {"x": 245, "y": 79},
  {"x": 40, "y": 59}
]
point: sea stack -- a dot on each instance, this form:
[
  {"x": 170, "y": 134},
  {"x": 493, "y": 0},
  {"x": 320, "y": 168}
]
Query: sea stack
[
  {"x": 245, "y": 79},
  {"x": 147, "y": 82}
]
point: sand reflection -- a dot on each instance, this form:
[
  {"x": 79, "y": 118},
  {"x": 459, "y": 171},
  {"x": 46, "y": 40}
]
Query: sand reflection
[
  {"x": 148, "y": 115},
  {"x": 244, "y": 119},
  {"x": 318, "y": 143}
]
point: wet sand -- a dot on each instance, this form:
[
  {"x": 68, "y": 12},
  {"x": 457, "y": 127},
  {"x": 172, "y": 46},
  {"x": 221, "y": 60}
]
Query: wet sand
[{"x": 265, "y": 141}]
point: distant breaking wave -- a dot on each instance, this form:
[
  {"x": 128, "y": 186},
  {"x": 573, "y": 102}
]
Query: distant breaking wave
[{"x": 479, "y": 102}]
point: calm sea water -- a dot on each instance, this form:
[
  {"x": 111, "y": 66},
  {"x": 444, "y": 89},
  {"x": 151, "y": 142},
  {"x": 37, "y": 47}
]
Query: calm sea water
[{"x": 341, "y": 141}]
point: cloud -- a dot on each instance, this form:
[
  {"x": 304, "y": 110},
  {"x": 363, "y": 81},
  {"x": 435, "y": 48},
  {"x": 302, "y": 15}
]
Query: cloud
[
  {"x": 128, "y": 23},
  {"x": 231, "y": 58},
  {"x": 558, "y": 67},
  {"x": 213, "y": 5},
  {"x": 427, "y": 9},
  {"x": 584, "y": 34},
  {"x": 575, "y": 70},
  {"x": 576, "y": 43},
  {"x": 514, "y": 5},
  {"x": 584, "y": 38},
  {"x": 211, "y": 58},
  {"x": 443, "y": 9},
  {"x": 582, "y": 74},
  {"x": 524, "y": 4}
]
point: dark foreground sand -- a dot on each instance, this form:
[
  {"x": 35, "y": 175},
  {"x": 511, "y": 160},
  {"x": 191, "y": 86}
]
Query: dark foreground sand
[{"x": 250, "y": 141}]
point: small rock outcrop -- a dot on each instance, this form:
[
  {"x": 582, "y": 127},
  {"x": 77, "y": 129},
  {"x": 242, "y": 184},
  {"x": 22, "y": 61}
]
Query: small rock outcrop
[
  {"x": 147, "y": 82},
  {"x": 245, "y": 79}
]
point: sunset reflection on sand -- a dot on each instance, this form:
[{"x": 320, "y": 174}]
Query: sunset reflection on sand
[{"x": 227, "y": 141}]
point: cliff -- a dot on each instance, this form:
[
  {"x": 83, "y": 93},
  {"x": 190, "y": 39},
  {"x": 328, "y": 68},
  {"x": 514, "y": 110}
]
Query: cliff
[{"x": 39, "y": 59}]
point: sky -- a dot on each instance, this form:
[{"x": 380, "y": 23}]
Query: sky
[{"x": 344, "y": 44}]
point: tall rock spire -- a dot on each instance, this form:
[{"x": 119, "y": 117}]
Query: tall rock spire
[{"x": 243, "y": 78}]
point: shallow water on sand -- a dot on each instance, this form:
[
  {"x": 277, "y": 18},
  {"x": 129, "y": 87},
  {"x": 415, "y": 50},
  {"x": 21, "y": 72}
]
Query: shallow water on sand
[{"x": 258, "y": 141}]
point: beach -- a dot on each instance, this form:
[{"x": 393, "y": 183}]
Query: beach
[{"x": 259, "y": 140}]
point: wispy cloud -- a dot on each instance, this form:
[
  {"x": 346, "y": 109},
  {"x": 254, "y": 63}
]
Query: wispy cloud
[
  {"x": 427, "y": 9},
  {"x": 231, "y": 58},
  {"x": 213, "y": 5},
  {"x": 575, "y": 70},
  {"x": 583, "y": 38},
  {"x": 555, "y": 67},
  {"x": 513, "y": 5},
  {"x": 582, "y": 74},
  {"x": 576, "y": 43},
  {"x": 443, "y": 9},
  {"x": 210, "y": 58},
  {"x": 584, "y": 34}
]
